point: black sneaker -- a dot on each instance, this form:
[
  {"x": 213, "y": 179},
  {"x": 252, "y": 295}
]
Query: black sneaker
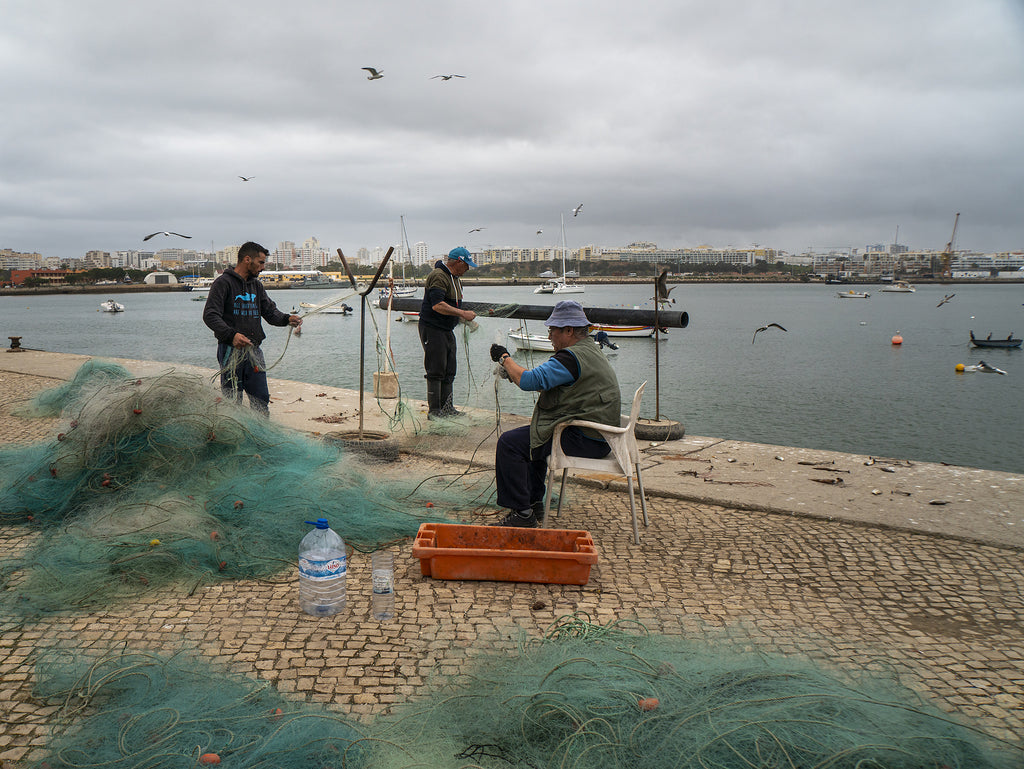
[{"x": 519, "y": 520}]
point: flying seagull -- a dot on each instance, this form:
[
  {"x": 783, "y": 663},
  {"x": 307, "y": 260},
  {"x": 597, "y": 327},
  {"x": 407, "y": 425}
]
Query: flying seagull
[
  {"x": 153, "y": 235},
  {"x": 539, "y": 231},
  {"x": 445, "y": 77},
  {"x": 945, "y": 299},
  {"x": 662, "y": 290},
  {"x": 246, "y": 178},
  {"x": 374, "y": 74},
  {"x": 576, "y": 210},
  {"x": 478, "y": 229},
  {"x": 765, "y": 327}
]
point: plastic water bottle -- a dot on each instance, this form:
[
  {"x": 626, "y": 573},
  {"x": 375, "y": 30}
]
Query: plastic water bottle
[
  {"x": 322, "y": 569},
  {"x": 383, "y": 574}
]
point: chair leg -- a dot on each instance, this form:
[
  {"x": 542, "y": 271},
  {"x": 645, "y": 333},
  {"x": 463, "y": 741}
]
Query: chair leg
[
  {"x": 643, "y": 496},
  {"x": 547, "y": 499},
  {"x": 561, "y": 491},
  {"x": 632, "y": 510}
]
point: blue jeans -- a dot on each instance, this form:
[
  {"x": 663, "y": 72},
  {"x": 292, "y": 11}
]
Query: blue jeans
[
  {"x": 244, "y": 370},
  {"x": 520, "y": 474}
]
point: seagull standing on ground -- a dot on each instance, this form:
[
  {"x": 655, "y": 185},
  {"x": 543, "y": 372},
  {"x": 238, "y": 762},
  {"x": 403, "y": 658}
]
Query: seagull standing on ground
[
  {"x": 374, "y": 74},
  {"x": 246, "y": 178},
  {"x": 577, "y": 209},
  {"x": 765, "y": 327},
  {"x": 153, "y": 235},
  {"x": 945, "y": 299},
  {"x": 661, "y": 289},
  {"x": 445, "y": 77}
]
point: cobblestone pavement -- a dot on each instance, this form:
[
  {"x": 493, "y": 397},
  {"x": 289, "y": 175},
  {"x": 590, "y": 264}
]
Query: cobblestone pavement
[{"x": 945, "y": 615}]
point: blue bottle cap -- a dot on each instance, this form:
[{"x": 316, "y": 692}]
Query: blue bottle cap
[{"x": 321, "y": 523}]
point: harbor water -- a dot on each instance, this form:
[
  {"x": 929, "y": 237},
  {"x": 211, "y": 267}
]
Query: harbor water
[{"x": 833, "y": 380}]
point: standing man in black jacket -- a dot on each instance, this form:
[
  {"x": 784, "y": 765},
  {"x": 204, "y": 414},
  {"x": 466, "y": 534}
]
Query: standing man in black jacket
[
  {"x": 234, "y": 307},
  {"x": 440, "y": 312}
]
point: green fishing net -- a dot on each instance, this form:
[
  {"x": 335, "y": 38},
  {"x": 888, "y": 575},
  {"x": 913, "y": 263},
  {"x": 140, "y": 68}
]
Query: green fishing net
[
  {"x": 158, "y": 480},
  {"x": 584, "y": 696},
  {"x": 143, "y": 711},
  {"x": 601, "y": 698}
]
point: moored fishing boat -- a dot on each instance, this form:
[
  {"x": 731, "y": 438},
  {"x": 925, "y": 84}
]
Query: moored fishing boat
[
  {"x": 898, "y": 287},
  {"x": 623, "y": 331},
  {"x": 1009, "y": 343},
  {"x": 851, "y": 294},
  {"x": 111, "y": 306}
]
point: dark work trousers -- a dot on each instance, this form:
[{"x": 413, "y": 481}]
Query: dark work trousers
[
  {"x": 248, "y": 374},
  {"x": 520, "y": 475},
  {"x": 439, "y": 359}
]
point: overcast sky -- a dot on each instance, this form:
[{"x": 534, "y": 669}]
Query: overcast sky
[{"x": 800, "y": 124}]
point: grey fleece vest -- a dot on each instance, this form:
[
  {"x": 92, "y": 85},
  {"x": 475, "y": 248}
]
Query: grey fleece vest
[{"x": 594, "y": 396}]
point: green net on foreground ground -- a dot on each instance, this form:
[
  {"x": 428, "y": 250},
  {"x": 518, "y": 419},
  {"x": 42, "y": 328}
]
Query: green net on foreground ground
[
  {"x": 158, "y": 480},
  {"x": 584, "y": 697}
]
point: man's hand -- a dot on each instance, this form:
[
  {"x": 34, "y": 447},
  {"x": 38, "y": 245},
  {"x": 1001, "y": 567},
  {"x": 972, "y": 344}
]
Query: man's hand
[
  {"x": 295, "y": 320},
  {"x": 497, "y": 351},
  {"x": 240, "y": 340}
]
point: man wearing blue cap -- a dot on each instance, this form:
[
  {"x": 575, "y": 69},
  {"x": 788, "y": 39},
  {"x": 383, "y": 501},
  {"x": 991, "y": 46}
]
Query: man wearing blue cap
[
  {"x": 440, "y": 313},
  {"x": 577, "y": 382}
]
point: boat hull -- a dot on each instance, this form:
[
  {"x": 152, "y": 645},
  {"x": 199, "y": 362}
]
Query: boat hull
[
  {"x": 853, "y": 295},
  {"x": 530, "y": 342},
  {"x": 1006, "y": 344},
  {"x": 623, "y": 331}
]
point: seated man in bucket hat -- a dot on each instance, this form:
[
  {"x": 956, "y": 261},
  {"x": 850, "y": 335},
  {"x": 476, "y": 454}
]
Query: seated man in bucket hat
[{"x": 577, "y": 382}]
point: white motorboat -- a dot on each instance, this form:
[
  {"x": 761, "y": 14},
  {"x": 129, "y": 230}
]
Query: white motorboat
[
  {"x": 328, "y": 308},
  {"x": 851, "y": 294},
  {"x": 524, "y": 340},
  {"x": 898, "y": 287},
  {"x": 111, "y": 306}
]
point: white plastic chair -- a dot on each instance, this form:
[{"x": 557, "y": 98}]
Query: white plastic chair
[{"x": 623, "y": 459}]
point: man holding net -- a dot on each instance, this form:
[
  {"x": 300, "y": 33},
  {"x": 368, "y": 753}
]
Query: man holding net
[
  {"x": 440, "y": 313},
  {"x": 577, "y": 382},
  {"x": 235, "y": 308}
]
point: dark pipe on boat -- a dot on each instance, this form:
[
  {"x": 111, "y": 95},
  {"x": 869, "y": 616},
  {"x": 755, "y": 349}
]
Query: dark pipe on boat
[{"x": 614, "y": 316}]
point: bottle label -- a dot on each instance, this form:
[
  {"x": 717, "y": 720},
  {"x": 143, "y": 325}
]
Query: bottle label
[
  {"x": 383, "y": 581},
  {"x": 322, "y": 570}
]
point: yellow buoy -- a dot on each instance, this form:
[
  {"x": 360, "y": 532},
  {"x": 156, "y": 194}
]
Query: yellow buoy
[{"x": 959, "y": 368}]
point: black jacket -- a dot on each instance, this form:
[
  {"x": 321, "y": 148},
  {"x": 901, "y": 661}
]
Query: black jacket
[{"x": 235, "y": 305}]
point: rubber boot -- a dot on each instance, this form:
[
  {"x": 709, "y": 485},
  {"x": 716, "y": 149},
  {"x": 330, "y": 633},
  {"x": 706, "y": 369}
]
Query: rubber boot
[
  {"x": 447, "y": 405},
  {"x": 434, "y": 399}
]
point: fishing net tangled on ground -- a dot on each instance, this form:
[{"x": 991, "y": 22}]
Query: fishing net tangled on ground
[
  {"x": 589, "y": 697},
  {"x": 585, "y": 696},
  {"x": 158, "y": 480},
  {"x": 133, "y": 710}
]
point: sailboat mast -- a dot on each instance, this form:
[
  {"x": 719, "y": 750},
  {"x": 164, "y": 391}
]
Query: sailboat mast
[{"x": 562, "y": 217}]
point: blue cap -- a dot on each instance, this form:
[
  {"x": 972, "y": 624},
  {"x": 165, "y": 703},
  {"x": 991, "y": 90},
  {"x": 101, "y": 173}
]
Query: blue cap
[
  {"x": 567, "y": 313},
  {"x": 462, "y": 255}
]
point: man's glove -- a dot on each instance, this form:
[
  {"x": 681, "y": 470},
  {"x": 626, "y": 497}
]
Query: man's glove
[{"x": 497, "y": 351}]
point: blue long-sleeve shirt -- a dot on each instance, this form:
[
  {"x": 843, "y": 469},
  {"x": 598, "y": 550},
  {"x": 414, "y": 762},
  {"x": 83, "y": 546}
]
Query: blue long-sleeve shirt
[{"x": 560, "y": 369}]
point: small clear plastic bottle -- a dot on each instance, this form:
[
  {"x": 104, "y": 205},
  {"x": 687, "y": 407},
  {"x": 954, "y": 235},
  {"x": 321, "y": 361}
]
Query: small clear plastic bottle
[
  {"x": 322, "y": 571},
  {"x": 383, "y": 575}
]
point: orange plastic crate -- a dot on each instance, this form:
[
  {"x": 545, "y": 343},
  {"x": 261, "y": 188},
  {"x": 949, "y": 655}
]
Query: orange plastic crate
[{"x": 504, "y": 554}]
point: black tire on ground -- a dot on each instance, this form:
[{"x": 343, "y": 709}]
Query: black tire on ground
[
  {"x": 379, "y": 446},
  {"x": 660, "y": 430}
]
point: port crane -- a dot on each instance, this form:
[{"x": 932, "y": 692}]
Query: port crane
[{"x": 947, "y": 252}]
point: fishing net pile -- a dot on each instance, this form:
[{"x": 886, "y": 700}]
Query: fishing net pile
[
  {"x": 158, "y": 480},
  {"x": 593, "y": 697},
  {"x": 583, "y": 697},
  {"x": 136, "y": 709}
]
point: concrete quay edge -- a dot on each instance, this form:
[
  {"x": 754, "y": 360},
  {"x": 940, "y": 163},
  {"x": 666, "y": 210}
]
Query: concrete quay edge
[{"x": 975, "y": 505}]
